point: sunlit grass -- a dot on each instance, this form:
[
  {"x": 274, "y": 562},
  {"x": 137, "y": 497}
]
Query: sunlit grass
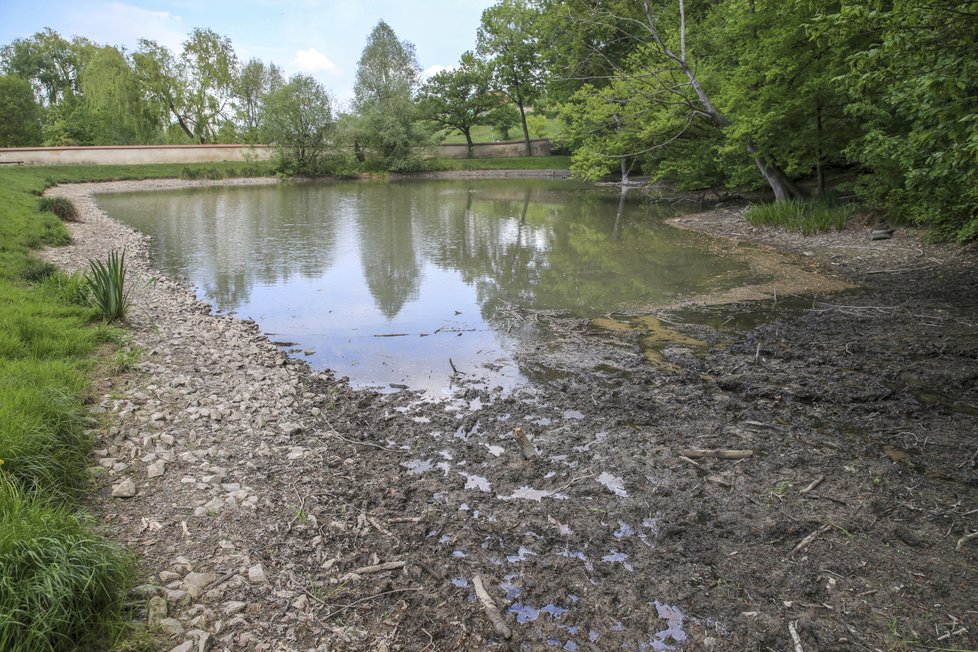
[{"x": 807, "y": 216}]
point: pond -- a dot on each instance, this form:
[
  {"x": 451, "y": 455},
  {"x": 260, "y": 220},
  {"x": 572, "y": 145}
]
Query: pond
[{"x": 398, "y": 284}]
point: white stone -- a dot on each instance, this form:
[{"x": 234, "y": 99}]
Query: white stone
[
  {"x": 125, "y": 489},
  {"x": 256, "y": 574},
  {"x": 156, "y": 469}
]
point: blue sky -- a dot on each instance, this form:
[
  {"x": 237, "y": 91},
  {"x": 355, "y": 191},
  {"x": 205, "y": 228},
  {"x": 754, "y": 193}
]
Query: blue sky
[{"x": 323, "y": 38}]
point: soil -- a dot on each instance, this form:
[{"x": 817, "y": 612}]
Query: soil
[{"x": 269, "y": 496}]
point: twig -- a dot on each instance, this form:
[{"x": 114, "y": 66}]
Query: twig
[
  {"x": 720, "y": 482},
  {"x": 817, "y": 481},
  {"x": 792, "y": 629},
  {"x": 720, "y": 453},
  {"x": 492, "y": 612},
  {"x": 454, "y": 370},
  {"x": 804, "y": 543},
  {"x": 333, "y": 432},
  {"x": 965, "y": 539},
  {"x": 337, "y": 612}
]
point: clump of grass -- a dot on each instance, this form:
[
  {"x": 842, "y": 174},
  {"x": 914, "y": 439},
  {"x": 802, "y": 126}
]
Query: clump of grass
[
  {"x": 36, "y": 270},
  {"x": 807, "y": 216},
  {"x": 60, "y": 206},
  {"x": 106, "y": 286},
  {"x": 66, "y": 288},
  {"x": 61, "y": 584}
]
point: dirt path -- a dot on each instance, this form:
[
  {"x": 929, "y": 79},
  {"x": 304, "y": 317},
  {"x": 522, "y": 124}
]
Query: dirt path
[{"x": 275, "y": 508}]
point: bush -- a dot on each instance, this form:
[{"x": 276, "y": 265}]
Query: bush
[
  {"x": 806, "y": 216},
  {"x": 60, "y": 206},
  {"x": 105, "y": 284},
  {"x": 61, "y": 584}
]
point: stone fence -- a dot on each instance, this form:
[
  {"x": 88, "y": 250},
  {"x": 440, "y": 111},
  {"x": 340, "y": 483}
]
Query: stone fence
[{"x": 142, "y": 154}]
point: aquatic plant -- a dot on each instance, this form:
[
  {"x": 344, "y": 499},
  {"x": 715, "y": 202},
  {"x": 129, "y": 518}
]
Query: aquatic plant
[{"x": 806, "y": 216}]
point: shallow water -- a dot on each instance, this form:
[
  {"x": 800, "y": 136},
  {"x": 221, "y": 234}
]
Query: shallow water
[{"x": 405, "y": 283}]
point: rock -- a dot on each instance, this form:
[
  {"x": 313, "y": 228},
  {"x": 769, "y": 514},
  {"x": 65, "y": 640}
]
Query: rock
[
  {"x": 186, "y": 646},
  {"x": 289, "y": 428},
  {"x": 256, "y": 574},
  {"x": 156, "y": 610},
  {"x": 233, "y": 607},
  {"x": 156, "y": 469},
  {"x": 178, "y": 597},
  {"x": 168, "y": 576},
  {"x": 171, "y": 626},
  {"x": 146, "y": 591},
  {"x": 195, "y": 583},
  {"x": 124, "y": 489}
]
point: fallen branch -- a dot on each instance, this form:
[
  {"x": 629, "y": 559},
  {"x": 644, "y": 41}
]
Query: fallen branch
[
  {"x": 817, "y": 481},
  {"x": 720, "y": 482},
  {"x": 965, "y": 539},
  {"x": 807, "y": 541},
  {"x": 375, "y": 568},
  {"x": 792, "y": 629},
  {"x": 719, "y": 453},
  {"x": 492, "y": 612}
]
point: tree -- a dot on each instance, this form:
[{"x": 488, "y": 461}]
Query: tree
[
  {"x": 255, "y": 82},
  {"x": 460, "y": 98},
  {"x": 113, "y": 100},
  {"x": 506, "y": 38},
  {"x": 387, "y": 77},
  {"x": 49, "y": 62},
  {"x": 911, "y": 74},
  {"x": 298, "y": 118},
  {"x": 197, "y": 88},
  {"x": 20, "y": 116}
]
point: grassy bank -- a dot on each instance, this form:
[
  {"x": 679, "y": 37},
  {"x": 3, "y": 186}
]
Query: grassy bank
[
  {"x": 62, "y": 584},
  {"x": 807, "y": 216}
]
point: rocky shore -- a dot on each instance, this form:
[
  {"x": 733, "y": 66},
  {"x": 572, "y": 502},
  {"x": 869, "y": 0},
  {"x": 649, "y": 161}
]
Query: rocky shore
[{"x": 274, "y": 508}]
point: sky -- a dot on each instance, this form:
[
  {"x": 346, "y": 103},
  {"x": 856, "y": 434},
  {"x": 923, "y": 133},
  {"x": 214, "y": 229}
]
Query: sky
[{"x": 323, "y": 38}]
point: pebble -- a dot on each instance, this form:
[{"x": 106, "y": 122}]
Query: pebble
[
  {"x": 124, "y": 489},
  {"x": 256, "y": 574}
]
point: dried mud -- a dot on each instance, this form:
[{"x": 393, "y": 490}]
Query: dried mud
[{"x": 273, "y": 484}]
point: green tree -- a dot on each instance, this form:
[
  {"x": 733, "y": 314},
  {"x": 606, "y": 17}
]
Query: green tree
[
  {"x": 387, "y": 77},
  {"x": 49, "y": 62},
  {"x": 298, "y": 118},
  {"x": 912, "y": 76},
  {"x": 507, "y": 39},
  {"x": 113, "y": 101},
  {"x": 255, "y": 82},
  {"x": 20, "y": 115},
  {"x": 460, "y": 98},
  {"x": 197, "y": 88}
]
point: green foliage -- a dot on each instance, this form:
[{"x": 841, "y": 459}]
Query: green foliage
[
  {"x": 507, "y": 38},
  {"x": 106, "y": 286},
  {"x": 61, "y": 584},
  {"x": 298, "y": 118},
  {"x": 69, "y": 289},
  {"x": 60, "y": 206},
  {"x": 461, "y": 98},
  {"x": 807, "y": 216},
  {"x": 20, "y": 116}
]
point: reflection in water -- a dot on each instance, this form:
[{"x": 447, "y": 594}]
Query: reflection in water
[{"x": 397, "y": 283}]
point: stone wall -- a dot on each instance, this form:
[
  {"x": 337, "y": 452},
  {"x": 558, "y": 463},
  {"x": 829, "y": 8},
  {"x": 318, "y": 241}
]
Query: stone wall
[{"x": 137, "y": 154}]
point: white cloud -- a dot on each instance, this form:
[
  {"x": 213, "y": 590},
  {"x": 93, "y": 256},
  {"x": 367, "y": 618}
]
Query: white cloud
[
  {"x": 118, "y": 23},
  {"x": 313, "y": 61}
]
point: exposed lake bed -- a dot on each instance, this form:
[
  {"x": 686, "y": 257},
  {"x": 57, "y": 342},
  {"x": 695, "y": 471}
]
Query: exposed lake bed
[{"x": 609, "y": 532}]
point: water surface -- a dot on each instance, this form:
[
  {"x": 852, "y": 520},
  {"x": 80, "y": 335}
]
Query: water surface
[{"x": 396, "y": 283}]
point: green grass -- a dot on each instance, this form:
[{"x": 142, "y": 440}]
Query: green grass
[
  {"x": 807, "y": 216},
  {"x": 106, "y": 288},
  {"x": 61, "y": 585},
  {"x": 60, "y": 206}
]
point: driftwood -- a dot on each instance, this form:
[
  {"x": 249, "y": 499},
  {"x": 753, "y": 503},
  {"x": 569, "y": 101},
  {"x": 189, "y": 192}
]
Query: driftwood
[
  {"x": 526, "y": 447},
  {"x": 719, "y": 453},
  {"x": 793, "y": 630},
  {"x": 492, "y": 612},
  {"x": 817, "y": 481},
  {"x": 965, "y": 539}
]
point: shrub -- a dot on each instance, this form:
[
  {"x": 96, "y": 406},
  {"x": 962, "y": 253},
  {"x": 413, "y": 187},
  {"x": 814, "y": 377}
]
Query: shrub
[
  {"x": 61, "y": 584},
  {"x": 60, "y": 206},
  {"x": 807, "y": 216},
  {"x": 105, "y": 284}
]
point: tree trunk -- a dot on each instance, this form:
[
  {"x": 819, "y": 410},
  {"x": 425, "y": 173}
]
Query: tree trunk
[
  {"x": 526, "y": 130},
  {"x": 819, "y": 168},
  {"x": 784, "y": 188},
  {"x": 180, "y": 121},
  {"x": 468, "y": 143},
  {"x": 624, "y": 173}
]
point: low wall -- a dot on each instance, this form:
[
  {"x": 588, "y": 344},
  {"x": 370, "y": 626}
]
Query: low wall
[{"x": 143, "y": 154}]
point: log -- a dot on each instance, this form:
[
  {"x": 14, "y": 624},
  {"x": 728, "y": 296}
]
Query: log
[{"x": 719, "y": 453}]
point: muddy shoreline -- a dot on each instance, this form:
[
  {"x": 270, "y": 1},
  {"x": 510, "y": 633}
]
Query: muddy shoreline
[{"x": 275, "y": 508}]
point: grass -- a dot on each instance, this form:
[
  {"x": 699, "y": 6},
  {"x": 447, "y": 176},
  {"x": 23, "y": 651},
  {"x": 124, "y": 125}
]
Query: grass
[
  {"x": 807, "y": 216},
  {"x": 60, "y": 206}
]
